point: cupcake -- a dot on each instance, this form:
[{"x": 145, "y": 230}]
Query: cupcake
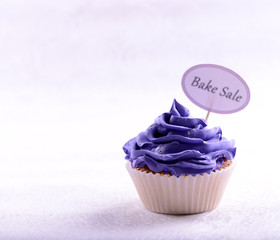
[{"x": 179, "y": 165}]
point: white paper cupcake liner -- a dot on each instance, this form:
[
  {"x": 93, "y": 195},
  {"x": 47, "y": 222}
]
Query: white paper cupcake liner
[{"x": 182, "y": 195}]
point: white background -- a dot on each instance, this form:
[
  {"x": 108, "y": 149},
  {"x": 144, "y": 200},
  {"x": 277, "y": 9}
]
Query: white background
[{"x": 80, "y": 78}]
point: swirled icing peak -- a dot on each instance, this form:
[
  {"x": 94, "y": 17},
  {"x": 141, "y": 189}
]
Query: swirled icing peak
[{"x": 179, "y": 144}]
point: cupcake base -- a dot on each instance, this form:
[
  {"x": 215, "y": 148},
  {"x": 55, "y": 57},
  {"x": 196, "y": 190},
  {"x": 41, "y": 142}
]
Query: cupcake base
[{"x": 189, "y": 194}]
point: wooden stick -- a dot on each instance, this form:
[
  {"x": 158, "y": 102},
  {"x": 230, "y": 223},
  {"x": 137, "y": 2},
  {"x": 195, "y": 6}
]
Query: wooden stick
[
  {"x": 207, "y": 116},
  {"x": 212, "y": 102}
]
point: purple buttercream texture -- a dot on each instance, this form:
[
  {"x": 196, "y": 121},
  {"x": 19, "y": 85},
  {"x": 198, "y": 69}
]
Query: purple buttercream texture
[{"x": 179, "y": 144}]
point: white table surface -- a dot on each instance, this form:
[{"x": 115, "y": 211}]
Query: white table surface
[{"x": 80, "y": 78}]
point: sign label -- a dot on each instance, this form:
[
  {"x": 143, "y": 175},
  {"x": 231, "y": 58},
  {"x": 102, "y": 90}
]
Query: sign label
[{"x": 215, "y": 88}]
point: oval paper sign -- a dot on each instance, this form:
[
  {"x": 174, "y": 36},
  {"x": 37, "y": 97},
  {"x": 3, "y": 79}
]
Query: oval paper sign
[{"x": 215, "y": 88}]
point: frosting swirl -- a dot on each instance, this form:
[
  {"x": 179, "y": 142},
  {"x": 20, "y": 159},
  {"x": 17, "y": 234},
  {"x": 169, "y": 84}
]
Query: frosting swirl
[{"x": 179, "y": 144}]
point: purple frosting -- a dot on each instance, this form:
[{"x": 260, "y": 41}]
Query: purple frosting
[{"x": 179, "y": 144}]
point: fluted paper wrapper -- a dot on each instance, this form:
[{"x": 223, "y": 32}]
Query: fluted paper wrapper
[{"x": 182, "y": 195}]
